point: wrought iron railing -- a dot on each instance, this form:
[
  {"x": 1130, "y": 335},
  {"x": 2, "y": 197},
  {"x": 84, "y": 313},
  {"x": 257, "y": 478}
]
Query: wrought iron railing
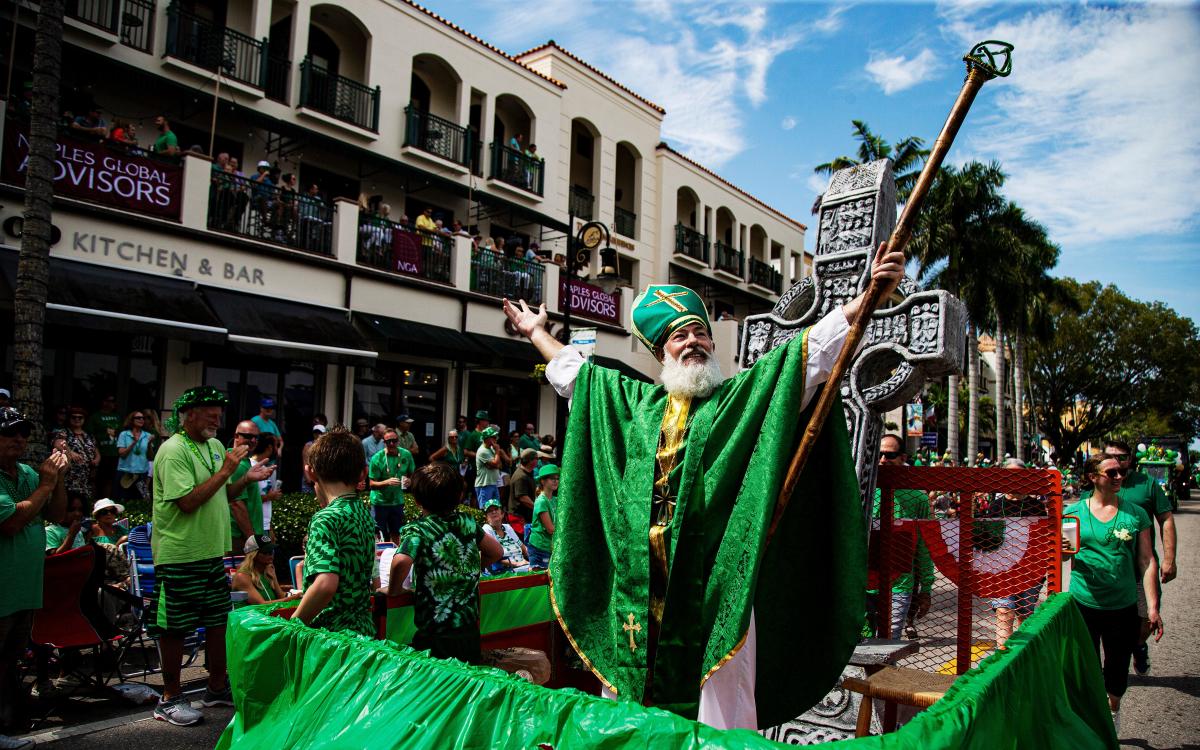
[
  {"x": 762, "y": 274},
  {"x": 99, "y": 13},
  {"x": 730, "y": 260},
  {"x": 137, "y": 24},
  {"x": 279, "y": 75},
  {"x": 338, "y": 96},
  {"x": 436, "y": 135},
  {"x": 512, "y": 166},
  {"x": 581, "y": 202},
  {"x": 625, "y": 222},
  {"x": 384, "y": 244},
  {"x": 497, "y": 275},
  {"x": 246, "y": 207},
  {"x": 691, "y": 243},
  {"x": 198, "y": 41}
]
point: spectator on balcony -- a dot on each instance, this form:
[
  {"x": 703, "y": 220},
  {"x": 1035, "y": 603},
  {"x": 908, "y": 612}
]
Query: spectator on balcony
[
  {"x": 287, "y": 210},
  {"x": 441, "y": 227},
  {"x": 313, "y": 224},
  {"x": 425, "y": 222},
  {"x": 458, "y": 230},
  {"x": 238, "y": 198},
  {"x": 91, "y": 124},
  {"x": 560, "y": 260},
  {"x": 166, "y": 144},
  {"x": 262, "y": 192},
  {"x": 123, "y": 132},
  {"x": 489, "y": 244},
  {"x": 533, "y": 163}
]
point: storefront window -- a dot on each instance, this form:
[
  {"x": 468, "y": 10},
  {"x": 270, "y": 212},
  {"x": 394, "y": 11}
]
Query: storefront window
[{"x": 389, "y": 389}]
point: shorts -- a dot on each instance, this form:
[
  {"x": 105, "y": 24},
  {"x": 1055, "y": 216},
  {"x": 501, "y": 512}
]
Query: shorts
[
  {"x": 1021, "y": 603},
  {"x": 389, "y": 519},
  {"x": 539, "y": 559},
  {"x": 190, "y": 595},
  {"x": 483, "y": 494}
]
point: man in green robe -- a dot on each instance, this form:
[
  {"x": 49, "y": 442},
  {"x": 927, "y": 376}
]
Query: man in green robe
[{"x": 662, "y": 578}]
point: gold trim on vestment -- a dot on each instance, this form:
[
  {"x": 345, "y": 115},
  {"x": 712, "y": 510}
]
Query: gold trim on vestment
[{"x": 567, "y": 632}]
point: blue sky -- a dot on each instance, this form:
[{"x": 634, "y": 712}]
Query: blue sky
[{"x": 1098, "y": 127}]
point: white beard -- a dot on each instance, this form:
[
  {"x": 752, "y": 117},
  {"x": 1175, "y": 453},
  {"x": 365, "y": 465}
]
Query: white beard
[{"x": 693, "y": 379}]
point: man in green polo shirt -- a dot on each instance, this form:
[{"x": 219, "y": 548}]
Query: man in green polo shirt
[
  {"x": 245, "y": 495},
  {"x": 469, "y": 441},
  {"x": 166, "y": 143},
  {"x": 191, "y": 535},
  {"x": 104, "y": 426},
  {"x": 389, "y": 471},
  {"x": 28, "y": 498}
]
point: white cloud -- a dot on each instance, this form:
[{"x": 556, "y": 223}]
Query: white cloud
[
  {"x": 788, "y": 123},
  {"x": 897, "y": 73},
  {"x": 1098, "y": 125}
]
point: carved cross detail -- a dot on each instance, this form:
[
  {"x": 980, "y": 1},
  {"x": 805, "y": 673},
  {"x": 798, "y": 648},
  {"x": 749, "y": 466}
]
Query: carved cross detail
[
  {"x": 918, "y": 338},
  {"x": 632, "y": 627}
]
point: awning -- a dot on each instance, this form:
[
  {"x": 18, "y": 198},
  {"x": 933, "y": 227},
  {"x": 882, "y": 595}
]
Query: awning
[
  {"x": 621, "y": 367},
  {"x": 513, "y": 353},
  {"x": 410, "y": 337},
  {"x": 109, "y": 299},
  {"x": 291, "y": 330}
]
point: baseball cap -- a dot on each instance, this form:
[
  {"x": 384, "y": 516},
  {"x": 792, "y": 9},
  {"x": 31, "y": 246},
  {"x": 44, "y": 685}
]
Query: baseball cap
[
  {"x": 493, "y": 503},
  {"x": 404, "y": 418},
  {"x": 267, "y": 403},
  {"x": 5, "y": 392},
  {"x": 260, "y": 543},
  {"x": 12, "y": 421},
  {"x": 264, "y": 164},
  {"x": 318, "y": 428}
]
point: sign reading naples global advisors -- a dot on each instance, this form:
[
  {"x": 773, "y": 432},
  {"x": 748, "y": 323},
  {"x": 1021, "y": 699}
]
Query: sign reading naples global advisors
[
  {"x": 98, "y": 174},
  {"x": 591, "y": 301}
]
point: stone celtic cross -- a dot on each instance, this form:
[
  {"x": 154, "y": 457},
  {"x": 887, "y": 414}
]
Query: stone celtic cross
[{"x": 918, "y": 338}]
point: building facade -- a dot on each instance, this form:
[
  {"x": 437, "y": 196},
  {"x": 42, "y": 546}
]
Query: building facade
[{"x": 318, "y": 288}]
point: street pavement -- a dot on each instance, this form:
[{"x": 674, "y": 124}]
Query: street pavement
[{"x": 1162, "y": 710}]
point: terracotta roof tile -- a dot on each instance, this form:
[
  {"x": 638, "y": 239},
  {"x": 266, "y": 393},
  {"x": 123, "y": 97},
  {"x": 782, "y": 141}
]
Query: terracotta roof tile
[
  {"x": 481, "y": 42},
  {"x": 595, "y": 70},
  {"x": 663, "y": 145}
]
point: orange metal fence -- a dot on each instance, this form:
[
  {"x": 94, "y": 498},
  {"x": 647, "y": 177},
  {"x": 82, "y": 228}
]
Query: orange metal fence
[{"x": 970, "y": 553}]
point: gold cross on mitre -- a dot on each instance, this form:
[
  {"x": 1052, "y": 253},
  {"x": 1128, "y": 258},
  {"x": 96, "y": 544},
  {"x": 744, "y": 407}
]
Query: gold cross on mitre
[
  {"x": 669, "y": 299},
  {"x": 632, "y": 627}
]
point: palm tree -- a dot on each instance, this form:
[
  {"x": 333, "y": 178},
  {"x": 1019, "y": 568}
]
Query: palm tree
[
  {"x": 907, "y": 157},
  {"x": 33, "y": 264}
]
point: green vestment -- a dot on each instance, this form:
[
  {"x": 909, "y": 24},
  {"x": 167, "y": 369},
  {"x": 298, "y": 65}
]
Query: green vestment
[{"x": 806, "y": 587}]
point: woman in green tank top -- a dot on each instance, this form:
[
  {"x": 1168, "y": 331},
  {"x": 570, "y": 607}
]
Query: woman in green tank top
[{"x": 256, "y": 574}]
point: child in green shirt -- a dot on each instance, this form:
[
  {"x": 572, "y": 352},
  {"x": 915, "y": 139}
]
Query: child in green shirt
[{"x": 541, "y": 531}]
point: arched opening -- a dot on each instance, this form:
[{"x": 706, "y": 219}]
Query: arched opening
[
  {"x": 690, "y": 239},
  {"x": 334, "y": 72},
  {"x": 728, "y": 255},
  {"x": 584, "y": 168},
  {"x": 627, "y": 192},
  {"x": 431, "y": 117},
  {"x": 515, "y": 158},
  {"x": 758, "y": 243},
  {"x": 435, "y": 87}
]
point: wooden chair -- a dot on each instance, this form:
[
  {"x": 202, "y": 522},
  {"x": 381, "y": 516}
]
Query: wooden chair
[{"x": 899, "y": 686}]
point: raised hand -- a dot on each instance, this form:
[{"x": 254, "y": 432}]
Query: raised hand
[
  {"x": 887, "y": 269},
  {"x": 234, "y": 457},
  {"x": 52, "y": 468},
  {"x": 260, "y": 472},
  {"x": 524, "y": 319}
]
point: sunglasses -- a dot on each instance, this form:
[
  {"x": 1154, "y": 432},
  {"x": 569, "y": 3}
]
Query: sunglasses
[
  {"x": 139, "y": 416},
  {"x": 246, "y": 435},
  {"x": 389, "y": 442},
  {"x": 1115, "y": 473},
  {"x": 889, "y": 455},
  {"x": 76, "y": 416},
  {"x": 1122, "y": 457}
]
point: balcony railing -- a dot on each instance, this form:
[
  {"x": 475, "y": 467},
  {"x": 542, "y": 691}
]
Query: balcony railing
[
  {"x": 497, "y": 275},
  {"x": 730, "y": 260},
  {"x": 691, "y": 243},
  {"x": 137, "y": 24},
  {"x": 581, "y": 202},
  {"x": 338, "y": 96},
  {"x": 762, "y": 274},
  {"x": 437, "y": 136},
  {"x": 242, "y": 206},
  {"x": 625, "y": 222},
  {"x": 197, "y": 41},
  {"x": 279, "y": 76},
  {"x": 510, "y": 165},
  {"x": 99, "y": 13},
  {"x": 386, "y": 245}
]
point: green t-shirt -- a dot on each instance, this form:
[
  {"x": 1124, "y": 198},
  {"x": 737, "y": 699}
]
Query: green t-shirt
[
  {"x": 469, "y": 440},
  {"x": 104, "y": 429},
  {"x": 1144, "y": 491},
  {"x": 446, "y": 567},
  {"x": 165, "y": 141},
  {"x": 912, "y": 504},
  {"x": 1103, "y": 571},
  {"x": 381, "y": 467},
  {"x": 251, "y": 495},
  {"x": 538, "y": 535},
  {"x": 23, "y": 555},
  {"x": 55, "y": 535},
  {"x": 180, "y": 466},
  {"x": 529, "y": 441},
  {"x": 341, "y": 540},
  {"x": 485, "y": 477}
]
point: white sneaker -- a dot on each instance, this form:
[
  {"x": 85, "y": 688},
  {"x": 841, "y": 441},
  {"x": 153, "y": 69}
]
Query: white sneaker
[{"x": 177, "y": 711}]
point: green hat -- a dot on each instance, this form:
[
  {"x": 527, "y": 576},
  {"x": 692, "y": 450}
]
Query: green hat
[
  {"x": 201, "y": 395},
  {"x": 663, "y": 308},
  {"x": 493, "y": 503},
  {"x": 490, "y": 431},
  {"x": 482, "y": 414},
  {"x": 548, "y": 470}
]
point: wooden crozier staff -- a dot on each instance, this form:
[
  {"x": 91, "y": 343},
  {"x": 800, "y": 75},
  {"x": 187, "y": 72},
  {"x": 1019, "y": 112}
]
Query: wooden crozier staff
[{"x": 987, "y": 60}]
